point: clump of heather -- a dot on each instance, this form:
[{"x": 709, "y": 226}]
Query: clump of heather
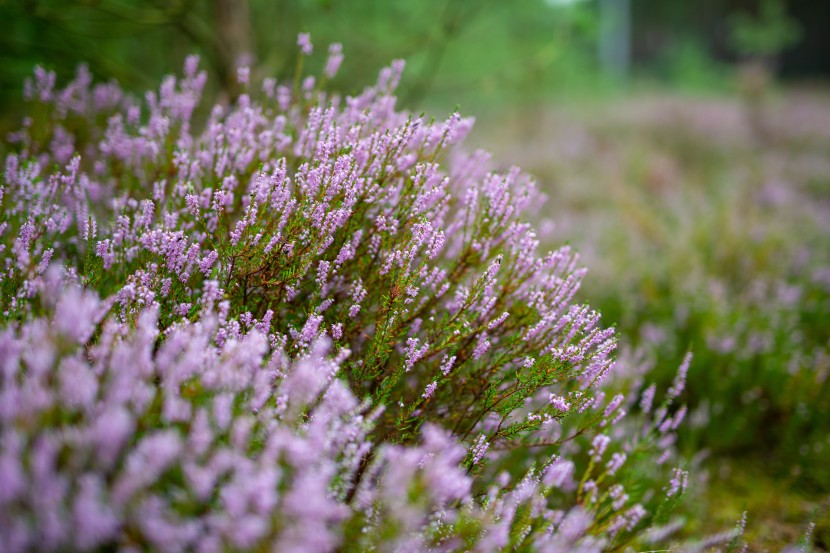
[{"x": 305, "y": 322}]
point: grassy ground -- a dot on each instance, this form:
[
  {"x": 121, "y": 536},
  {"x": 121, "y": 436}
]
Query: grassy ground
[
  {"x": 705, "y": 225},
  {"x": 776, "y": 509}
]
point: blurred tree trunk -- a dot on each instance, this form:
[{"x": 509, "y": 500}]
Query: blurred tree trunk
[{"x": 233, "y": 25}]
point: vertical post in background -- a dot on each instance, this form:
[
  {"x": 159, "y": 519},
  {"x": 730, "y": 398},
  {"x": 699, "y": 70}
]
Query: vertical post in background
[{"x": 615, "y": 37}]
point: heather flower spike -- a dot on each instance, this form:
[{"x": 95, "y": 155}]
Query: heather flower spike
[{"x": 304, "y": 42}]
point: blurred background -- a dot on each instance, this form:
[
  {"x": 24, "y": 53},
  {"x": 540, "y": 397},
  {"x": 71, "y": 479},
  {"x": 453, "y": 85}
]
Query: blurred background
[
  {"x": 476, "y": 53},
  {"x": 684, "y": 148}
]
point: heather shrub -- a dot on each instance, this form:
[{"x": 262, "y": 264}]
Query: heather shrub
[{"x": 303, "y": 322}]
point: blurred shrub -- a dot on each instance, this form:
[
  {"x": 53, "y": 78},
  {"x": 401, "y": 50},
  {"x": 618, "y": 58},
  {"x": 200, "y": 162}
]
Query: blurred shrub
[{"x": 768, "y": 33}]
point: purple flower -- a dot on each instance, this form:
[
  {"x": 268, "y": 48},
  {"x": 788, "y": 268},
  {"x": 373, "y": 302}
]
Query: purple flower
[
  {"x": 479, "y": 449},
  {"x": 446, "y": 364},
  {"x": 599, "y": 445},
  {"x": 414, "y": 353},
  {"x": 680, "y": 379},
  {"x": 558, "y": 473},
  {"x": 648, "y": 399},
  {"x": 243, "y": 75},
  {"x": 334, "y": 60},
  {"x": 304, "y": 42},
  {"x": 309, "y": 331},
  {"x": 616, "y": 461},
  {"x": 677, "y": 484},
  {"x": 481, "y": 347},
  {"x": 559, "y": 403}
]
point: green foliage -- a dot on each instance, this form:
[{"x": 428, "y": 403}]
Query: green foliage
[
  {"x": 477, "y": 53},
  {"x": 770, "y": 32},
  {"x": 689, "y": 66}
]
